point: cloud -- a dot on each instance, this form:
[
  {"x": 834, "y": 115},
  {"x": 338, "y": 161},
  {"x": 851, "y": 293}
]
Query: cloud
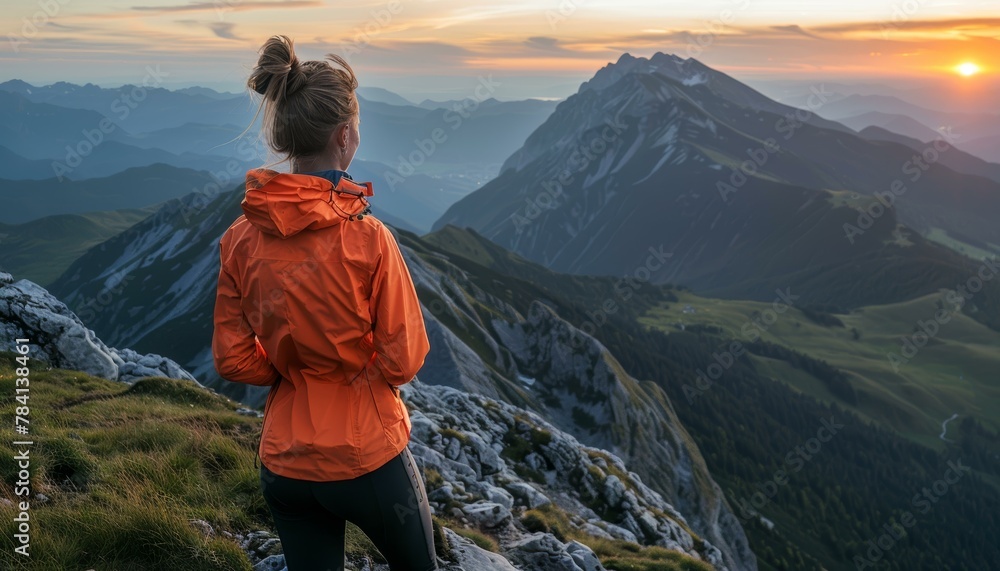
[
  {"x": 230, "y": 6},
  {"x": 224, "y": 30},
  {"x": 795, "y": 29},
  {"x": 542, "y": 42},
  {"x": 915, "y": 25}
]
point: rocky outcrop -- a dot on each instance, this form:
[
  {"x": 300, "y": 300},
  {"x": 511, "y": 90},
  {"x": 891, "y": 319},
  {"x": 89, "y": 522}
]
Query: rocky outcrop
[
  {"x": 589, "y": 395},
  {"x": 493, "y": 465},
  {"x": 57, "y": 336}
]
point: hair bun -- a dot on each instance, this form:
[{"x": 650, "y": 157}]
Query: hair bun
[
  {"x": 278, "y": 73},
  {"x": 260, "y": 84}
]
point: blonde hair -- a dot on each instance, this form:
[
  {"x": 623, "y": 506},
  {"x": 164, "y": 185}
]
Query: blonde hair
[{"x": 303, "y": 102}]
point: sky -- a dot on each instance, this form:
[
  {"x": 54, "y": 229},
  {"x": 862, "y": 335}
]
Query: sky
[{"x": 533, "y": 48}]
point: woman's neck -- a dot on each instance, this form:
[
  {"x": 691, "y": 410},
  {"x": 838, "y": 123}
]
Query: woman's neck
[{"x": 317, "y": 164}]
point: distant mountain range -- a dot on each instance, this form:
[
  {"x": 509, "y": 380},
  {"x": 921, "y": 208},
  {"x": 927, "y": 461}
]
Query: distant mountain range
[
  {"x": 420, "y": 159},
  {"x": 38, "y": 123},
  {"x": 137, "y": 187},
  {"x": 975, "y": 133},
  {"x": 740, "y": 197}
]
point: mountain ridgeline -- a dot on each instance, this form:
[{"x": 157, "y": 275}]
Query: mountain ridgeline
[{"x": 744, "y": 194}]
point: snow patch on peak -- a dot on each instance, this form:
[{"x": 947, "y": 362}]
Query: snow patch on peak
[{"x": 696, "y": 79}]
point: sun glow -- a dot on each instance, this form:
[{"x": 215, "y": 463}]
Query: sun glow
[{"x": 968, "y": 68}]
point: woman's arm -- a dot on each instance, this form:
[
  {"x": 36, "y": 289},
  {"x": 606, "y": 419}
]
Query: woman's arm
[
  {"x": 397, "y": 322},
  {"x": 237, "y": 353}
]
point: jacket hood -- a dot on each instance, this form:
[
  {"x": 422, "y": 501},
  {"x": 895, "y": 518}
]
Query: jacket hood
[{"x": 284, "y": 204}]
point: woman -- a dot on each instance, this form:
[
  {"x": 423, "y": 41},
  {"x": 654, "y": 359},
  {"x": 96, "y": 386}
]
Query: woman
[{"x": 314, "y": 300}]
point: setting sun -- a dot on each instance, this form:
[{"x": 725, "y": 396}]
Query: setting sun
[{"x": 968, "y": 68}]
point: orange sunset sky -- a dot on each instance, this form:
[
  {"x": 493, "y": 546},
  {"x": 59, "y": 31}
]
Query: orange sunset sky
[{"x": 543, "y": 47}]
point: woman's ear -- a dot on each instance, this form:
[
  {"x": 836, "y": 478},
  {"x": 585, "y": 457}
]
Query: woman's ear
[{"x": 344, "y": 135}]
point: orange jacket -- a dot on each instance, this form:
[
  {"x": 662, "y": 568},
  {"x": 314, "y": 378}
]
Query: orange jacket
[{"x": 319, "y": 305}]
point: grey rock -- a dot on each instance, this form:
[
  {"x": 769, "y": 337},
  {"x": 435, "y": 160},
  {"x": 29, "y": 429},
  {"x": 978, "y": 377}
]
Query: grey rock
[
  {"x": 249, "y": 412},
  {"x": 58, "y": 337},
  {"x": 487, "y": 514},
  {"x": 272, "y": 563},
  {"x": 614, "y": 490},
  {"x": 542, "y": 552},
  {"x": 444, "y": 494},
  {"x": 595, "y": 531},
  {"x": 584, "y": 557},
  {"x": 470, "y": 557},
  {"x": 499, "y": 496},
  {"x": 619, "y": 532},
  {"x": 526, "y": 494}
]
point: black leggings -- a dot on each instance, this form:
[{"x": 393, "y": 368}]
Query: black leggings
[{"x": 389, "y": 505}]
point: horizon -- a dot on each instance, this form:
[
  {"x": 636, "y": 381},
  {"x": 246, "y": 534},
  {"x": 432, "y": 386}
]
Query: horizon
[{"x": 437, "y": 51}]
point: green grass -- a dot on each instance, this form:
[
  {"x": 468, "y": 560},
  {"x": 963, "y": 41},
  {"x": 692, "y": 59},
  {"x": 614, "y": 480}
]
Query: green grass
[
  {"x": 126, "y": 468},
  {"x": 951, "y": 374},
  {"x": 482, "y": 540},
  {"x": 942, "y": 237},
  {"x": 42, "y": 249}
]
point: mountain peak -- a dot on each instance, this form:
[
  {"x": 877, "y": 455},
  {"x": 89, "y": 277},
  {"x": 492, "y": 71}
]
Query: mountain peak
[
  {"x": 16, "y": 86},
  {"x": 688, "y": 71}
]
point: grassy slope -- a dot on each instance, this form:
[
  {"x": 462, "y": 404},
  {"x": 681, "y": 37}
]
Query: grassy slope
[
  {"x": 952, "y": 374},
  {"x": 127, "y": 468},
  {"x": 970, "y": 250},
  {"x": 42, "y": 249}
]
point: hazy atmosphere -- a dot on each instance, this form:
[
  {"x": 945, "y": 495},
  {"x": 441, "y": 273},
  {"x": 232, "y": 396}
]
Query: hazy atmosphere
[
  {"x": 560, "y": 285},
  {"x": 423, "y": 49}
]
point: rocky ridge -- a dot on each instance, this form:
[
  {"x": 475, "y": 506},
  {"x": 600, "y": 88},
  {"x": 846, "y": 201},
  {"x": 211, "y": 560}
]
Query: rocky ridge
[{"x": 58, "y": 337}]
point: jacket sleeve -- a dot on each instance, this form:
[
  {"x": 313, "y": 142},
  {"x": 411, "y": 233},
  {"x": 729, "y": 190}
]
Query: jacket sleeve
[
  {"x": 398, "y": 325},
  {"x": 238, "y": 355}
]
